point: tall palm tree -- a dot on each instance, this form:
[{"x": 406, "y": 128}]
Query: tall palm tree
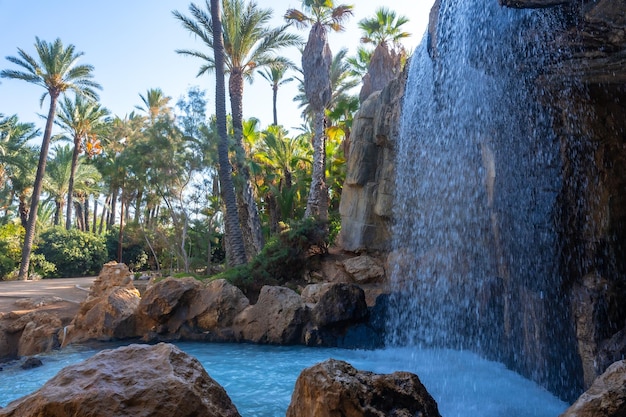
[
  {"x": 275, "y": 75},
  {"x": 236, "y": 250},
  {"x": 82, "y": 119},
  {"x": 57, "y": 71},
  {"x": 249, "y": 44},
  {"x": 316, "y": 62}
]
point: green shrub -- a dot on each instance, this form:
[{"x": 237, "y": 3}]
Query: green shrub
[
  {"x": 283, "y": 259},
  {"x": 11, "y": 240},
  {"x": 74, "y": 253}
]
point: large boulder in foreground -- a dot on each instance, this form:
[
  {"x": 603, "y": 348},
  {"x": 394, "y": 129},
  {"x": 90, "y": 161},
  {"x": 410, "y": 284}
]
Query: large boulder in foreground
[
  {"x": 606, "y": 397},
  {"x": 137, "y": 381},
  {"x": 335, "y": 388}
]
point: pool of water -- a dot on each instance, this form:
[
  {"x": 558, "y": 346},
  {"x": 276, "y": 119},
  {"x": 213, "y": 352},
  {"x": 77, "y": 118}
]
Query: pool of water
[{"x": 260, "y": 379}]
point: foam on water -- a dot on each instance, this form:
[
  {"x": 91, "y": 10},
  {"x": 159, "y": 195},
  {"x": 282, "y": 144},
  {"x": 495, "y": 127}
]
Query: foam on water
[{"x": 260, "y": 379}]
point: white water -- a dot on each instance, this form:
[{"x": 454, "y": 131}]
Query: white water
[{"x": 260, "y": 379}]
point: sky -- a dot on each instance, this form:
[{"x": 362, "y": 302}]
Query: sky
[{"x": 132, "y": 45}]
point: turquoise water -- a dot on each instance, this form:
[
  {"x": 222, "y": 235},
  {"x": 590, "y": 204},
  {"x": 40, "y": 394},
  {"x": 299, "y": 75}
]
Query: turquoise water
[{"x": 260, "y": 379}]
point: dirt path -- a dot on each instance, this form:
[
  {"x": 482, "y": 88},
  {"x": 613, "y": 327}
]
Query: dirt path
[{"x": 72, "y": 290}]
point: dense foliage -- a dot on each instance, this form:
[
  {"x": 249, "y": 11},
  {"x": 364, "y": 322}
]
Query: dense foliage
[{"x": 74, "y": 253}]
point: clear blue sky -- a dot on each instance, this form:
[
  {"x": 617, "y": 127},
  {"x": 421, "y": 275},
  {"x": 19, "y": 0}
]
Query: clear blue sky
[{"x": 132, "y": 46}]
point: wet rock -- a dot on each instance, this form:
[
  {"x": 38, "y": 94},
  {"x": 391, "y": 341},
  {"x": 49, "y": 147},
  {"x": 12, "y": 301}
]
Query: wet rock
[
  {"x": 137, "y": 381},
  {"x": 31, "y": 363},
  {"x": 38, "y": 332},
  {"x": 339, "y": 310},
  {"x": 335, "y": 388},
  {"x": 340, "y": 304},
  {"x": 277, "y": 317},
  {"x": 606, "y": 397}
]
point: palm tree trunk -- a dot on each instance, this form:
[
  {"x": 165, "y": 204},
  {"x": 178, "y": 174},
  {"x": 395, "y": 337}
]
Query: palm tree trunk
[
  {"x": 317, "y": 203},
  {"x": 248, "y": 210},
  {"x": 111, "y": 220},
  {"x": 274, "y": 99},
  {"x": 70, "y": 186},
  {"x": 233, "y": 229},
  {"x": 95, "y": 214},
  {"x": 29, "y": 237}
]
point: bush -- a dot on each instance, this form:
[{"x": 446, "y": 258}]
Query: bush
[
  {"x": 74, "y": 253},
  {"x": 283, "y": 259},
  {"x": 11, "y": 240}
]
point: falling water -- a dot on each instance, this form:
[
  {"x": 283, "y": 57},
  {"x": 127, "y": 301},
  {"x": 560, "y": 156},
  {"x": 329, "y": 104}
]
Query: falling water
[{"x": 478, "y": 177}]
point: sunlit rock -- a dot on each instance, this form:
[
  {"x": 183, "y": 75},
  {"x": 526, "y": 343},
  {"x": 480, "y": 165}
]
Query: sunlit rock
[
  {"x": 133, "y": 381},
  {"x": 335, "y": 388}
]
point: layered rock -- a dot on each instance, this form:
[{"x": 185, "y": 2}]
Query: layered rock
[
  {"x": 606, "y": 397},
  {"x": 137, "y": 380},
  {"x": 367, "y": 195},
  {"x": 335, "y": 388}
]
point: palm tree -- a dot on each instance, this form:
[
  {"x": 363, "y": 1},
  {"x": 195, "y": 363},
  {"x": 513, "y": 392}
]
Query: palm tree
[
  {"x": 316, "y": 63},
  {"x": 275, "y": 75},
  {"x": 249, "y": 44},
  {"x": 57, "y": 72},
  {"x": 17, "y": 162},
  {"x": 386, "y": 61},
  {"x": 155, "y": 104},
  {"x": 81, "y": 119},
  {"x": 236, "y": 250},
  {"x": 384, "y": 27}
]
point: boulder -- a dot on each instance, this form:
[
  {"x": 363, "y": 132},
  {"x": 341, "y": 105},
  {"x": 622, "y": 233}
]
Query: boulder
[
  {"x": 606, "y": 397},
  {"x": 109, "y": 316},
  {"x": 341, "y": 304},
  {"x": 220, "y": 303},
  {"x": 335, "y": 388},
  {"x": 364, "y": 269},
  {"x": 312, "y": 293},
  {"x": 339, "y": 318},
  {"x": 112, "y": 275},
  {"x": 39, "y": 331},
  {"x": 168, "y": 304},
  {"x": 277, "y": 317},
  {"x": 137, "y": 381},
  {"x": 31, "y": 363}
]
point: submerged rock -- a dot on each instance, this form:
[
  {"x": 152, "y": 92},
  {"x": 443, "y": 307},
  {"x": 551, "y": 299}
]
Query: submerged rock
[
  {"x": 335, "y": 388},
  {"x": 137, "y": 381}
]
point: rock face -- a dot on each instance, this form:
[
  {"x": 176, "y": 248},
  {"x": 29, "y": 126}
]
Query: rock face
[
  {"x": 109, "y": 311},
  {"x": 606, "y": 397},
  {"x": 367, "y": 195},
  {"x": 335, "y": 388},
  {"x": 187, "y": 308},
  {"x": 137, "y": 380}
]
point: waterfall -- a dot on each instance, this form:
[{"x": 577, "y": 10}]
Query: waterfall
[{"x": 478, "y": 178}]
